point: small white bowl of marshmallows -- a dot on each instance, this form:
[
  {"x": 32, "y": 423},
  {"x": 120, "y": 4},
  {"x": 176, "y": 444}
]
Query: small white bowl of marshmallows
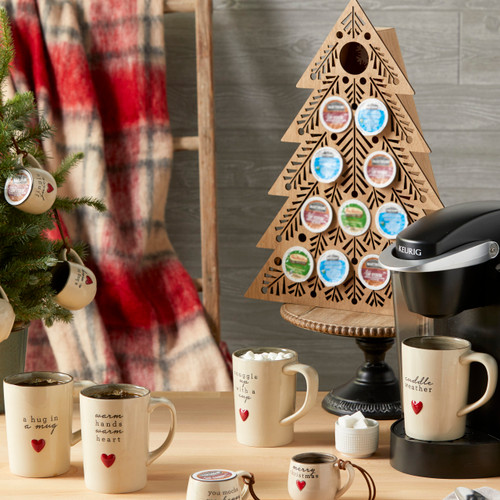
[{"x": 356, "y": 436}]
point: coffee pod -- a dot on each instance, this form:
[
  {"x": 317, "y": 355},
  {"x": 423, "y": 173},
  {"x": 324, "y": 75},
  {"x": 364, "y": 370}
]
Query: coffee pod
[
  {"x": 326, "y": 164},
  {"x": 298, "y": 264},
  {"x": 371, "y": 117},
  {"x": 7, "y": 316},
  {"x": 75, "y": 284},
  {"x": 379, "y": 169},
  {"x": 335, "y": 114},
  {"x": 372, "y": 274},
  {"x": 31, "y": 189},
  {"x": 333, "y": 268},
  {"x": 316, "y": 214},
  {"x": 391, "y": 219},
  {"x": 354, "y": 217}
]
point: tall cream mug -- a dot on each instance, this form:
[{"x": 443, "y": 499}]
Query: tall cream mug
[
  {"x": 316, "y": 476},
  {"x": 264, "y": 394},
  {"x": 115, "y": 436},
  {"x": 217, "y": 484},
  {"x": 38, "y": 419},
  {"x": 435, "y": 373}
]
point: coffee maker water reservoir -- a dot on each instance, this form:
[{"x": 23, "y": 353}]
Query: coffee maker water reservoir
[{"x": 445, "y": 272}]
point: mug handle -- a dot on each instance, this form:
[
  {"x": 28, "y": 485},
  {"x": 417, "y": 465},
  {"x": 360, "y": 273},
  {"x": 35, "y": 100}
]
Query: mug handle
[
  {"x": 154, "y": 403},
  {"x": 66, "y": 254},
  {"x": 312, "y": 382},
  {"x": 491, "y": 369},
  {"x": 350, "y": 478},
  {"x": 245, "y": 490},
  {"x": 78, "y": 386}
]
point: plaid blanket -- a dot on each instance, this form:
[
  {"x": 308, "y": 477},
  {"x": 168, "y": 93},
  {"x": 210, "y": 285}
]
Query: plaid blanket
[{"x": 97, "y": 69}]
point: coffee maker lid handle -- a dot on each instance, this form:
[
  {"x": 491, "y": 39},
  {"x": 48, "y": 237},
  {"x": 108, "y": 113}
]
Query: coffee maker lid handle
[{"x": 467, "y": 255}]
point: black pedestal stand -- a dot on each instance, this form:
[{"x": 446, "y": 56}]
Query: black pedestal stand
[{"x": 374, "y": 390}]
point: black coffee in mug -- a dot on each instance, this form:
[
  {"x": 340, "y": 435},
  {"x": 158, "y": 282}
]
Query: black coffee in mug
[
  {"x": 39, "y": 382},
  {"x": 114, "y": 394}
]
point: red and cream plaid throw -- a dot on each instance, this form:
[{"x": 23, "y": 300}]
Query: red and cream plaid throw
[{"x": 97, "y": 69}]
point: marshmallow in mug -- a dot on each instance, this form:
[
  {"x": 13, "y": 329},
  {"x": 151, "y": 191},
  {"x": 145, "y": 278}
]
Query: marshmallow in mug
[
  {"x": 267, "y": 356},
  {"x": 355, "y": 421}
]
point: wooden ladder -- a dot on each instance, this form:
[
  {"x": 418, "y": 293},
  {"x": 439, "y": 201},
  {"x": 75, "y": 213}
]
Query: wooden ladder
[{"x": 204, "y": 143}]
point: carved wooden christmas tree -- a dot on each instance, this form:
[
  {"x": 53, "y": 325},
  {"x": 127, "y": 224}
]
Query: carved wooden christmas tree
[{"x": 360, "y": 175}]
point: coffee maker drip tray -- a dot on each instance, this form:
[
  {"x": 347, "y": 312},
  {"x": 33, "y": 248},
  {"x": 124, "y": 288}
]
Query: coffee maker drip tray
[{"x": 475, "y": 455}]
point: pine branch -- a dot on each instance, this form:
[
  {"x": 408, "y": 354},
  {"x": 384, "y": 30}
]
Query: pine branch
[
  {"x": 61, "y": 174},
  {"x": 70, "y": 204},
  {"x": 6, "y": 45}
]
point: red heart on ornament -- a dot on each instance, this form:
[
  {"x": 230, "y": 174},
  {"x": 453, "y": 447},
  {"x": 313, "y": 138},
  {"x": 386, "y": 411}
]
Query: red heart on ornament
[
  {"x": 417, "y": 407},
  {"x": 243, "y": 414},
  {"x": 38, "y": 444},
  {"x": 108, "y": 460},
  {"x": 88, "y": 280},
  {"x": 301, "y": 485},
  {"x": 50, "y": 188}
]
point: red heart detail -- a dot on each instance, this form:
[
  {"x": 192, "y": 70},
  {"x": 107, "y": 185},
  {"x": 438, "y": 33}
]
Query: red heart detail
[
  {"x": 417, "y": 407},
  {"x": 243, "y": 414},
  {"x": 50, "y": 188},
  {"x": 108, "y": 460},
  {"x": 301, "y": 485},
  {"x": 38, "y": 444},
  {"x": 88, "y": 280}
]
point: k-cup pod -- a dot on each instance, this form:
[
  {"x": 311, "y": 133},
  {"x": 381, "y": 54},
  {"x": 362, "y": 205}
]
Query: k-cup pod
[
  {"x": 326, "y": 164},
  {"x": 298, "y": 264},
  {"x": 354, "y": 217},
  {"x": 75, "y": 284},
  {"x": 7, "y": 316},
  {"x": 335, "y": 114},
  {"x": 372, "y": 274},
  {"x": 333, "y": 268},
  {"x": 371, "y": 117},
  {"x": 391, "y": 219},
  {"x": 31, "y": 189},
  {"x": 379, "y": 169},
  {"x": 316, "y": 214}
]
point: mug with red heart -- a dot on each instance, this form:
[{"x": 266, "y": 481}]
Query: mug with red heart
[
  {"x": 435, "y": 383},
  {"x": 38, "y": 419},
  {"x": 264, "y": 380},
  {"x": 30, "y": 188},
  {"x": 75, "y": 285},
  {"x": 115, "y": 436},
  {"x": 317, "y": 475}
]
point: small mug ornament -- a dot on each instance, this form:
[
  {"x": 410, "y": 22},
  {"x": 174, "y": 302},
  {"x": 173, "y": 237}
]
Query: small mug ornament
[
  {"x": 75, "y": 284},
  {"x": 7, "y": 316},
  {"x": 31, "y": 188}
]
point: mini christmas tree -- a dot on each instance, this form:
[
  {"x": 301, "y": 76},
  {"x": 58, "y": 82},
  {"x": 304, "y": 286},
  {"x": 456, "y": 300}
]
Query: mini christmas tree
[
  {"x": 359, "y": 176},
  {"x": 27, "y": 255}
]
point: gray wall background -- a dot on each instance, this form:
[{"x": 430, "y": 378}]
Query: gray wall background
[{"x": 451, "y": 49}]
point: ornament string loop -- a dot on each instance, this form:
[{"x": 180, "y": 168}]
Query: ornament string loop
[
  {"x": 372, "y": 490},
  {"x": 250, "y": 481}
]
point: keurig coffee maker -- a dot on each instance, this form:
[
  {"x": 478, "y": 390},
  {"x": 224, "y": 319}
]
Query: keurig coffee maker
[{"x": 446, "y": 281}]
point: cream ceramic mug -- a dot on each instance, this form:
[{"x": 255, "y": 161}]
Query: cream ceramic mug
[
  {"x": 316, "y": 476},
  {"x": 31, "y": 189},
  {"x": 7, "y": 316},
  {"x": 38, "y": 419},
  {"x": 264, "y": 396},
  {"x": 435, "y": 372},
  {"x": 75, "y": 284},
  {"x": 115, "y": 436},
  {"x": 217, "y": 484}
]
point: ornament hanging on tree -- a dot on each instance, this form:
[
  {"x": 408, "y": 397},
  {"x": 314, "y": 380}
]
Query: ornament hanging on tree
[
  {"x": 7, "y": 316},
  {"x": 31, "y": 189}
]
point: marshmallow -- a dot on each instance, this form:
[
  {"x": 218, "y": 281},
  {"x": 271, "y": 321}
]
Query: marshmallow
[
  {"x": 355, "y": 421},
  {"x": 267, "y": 356}
]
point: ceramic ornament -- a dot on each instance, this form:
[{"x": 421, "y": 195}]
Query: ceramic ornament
[{"x": 361, "y": 154}]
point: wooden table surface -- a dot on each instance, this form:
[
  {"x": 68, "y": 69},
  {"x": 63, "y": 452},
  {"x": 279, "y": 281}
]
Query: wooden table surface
[{"x": 206, "y": 439}]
